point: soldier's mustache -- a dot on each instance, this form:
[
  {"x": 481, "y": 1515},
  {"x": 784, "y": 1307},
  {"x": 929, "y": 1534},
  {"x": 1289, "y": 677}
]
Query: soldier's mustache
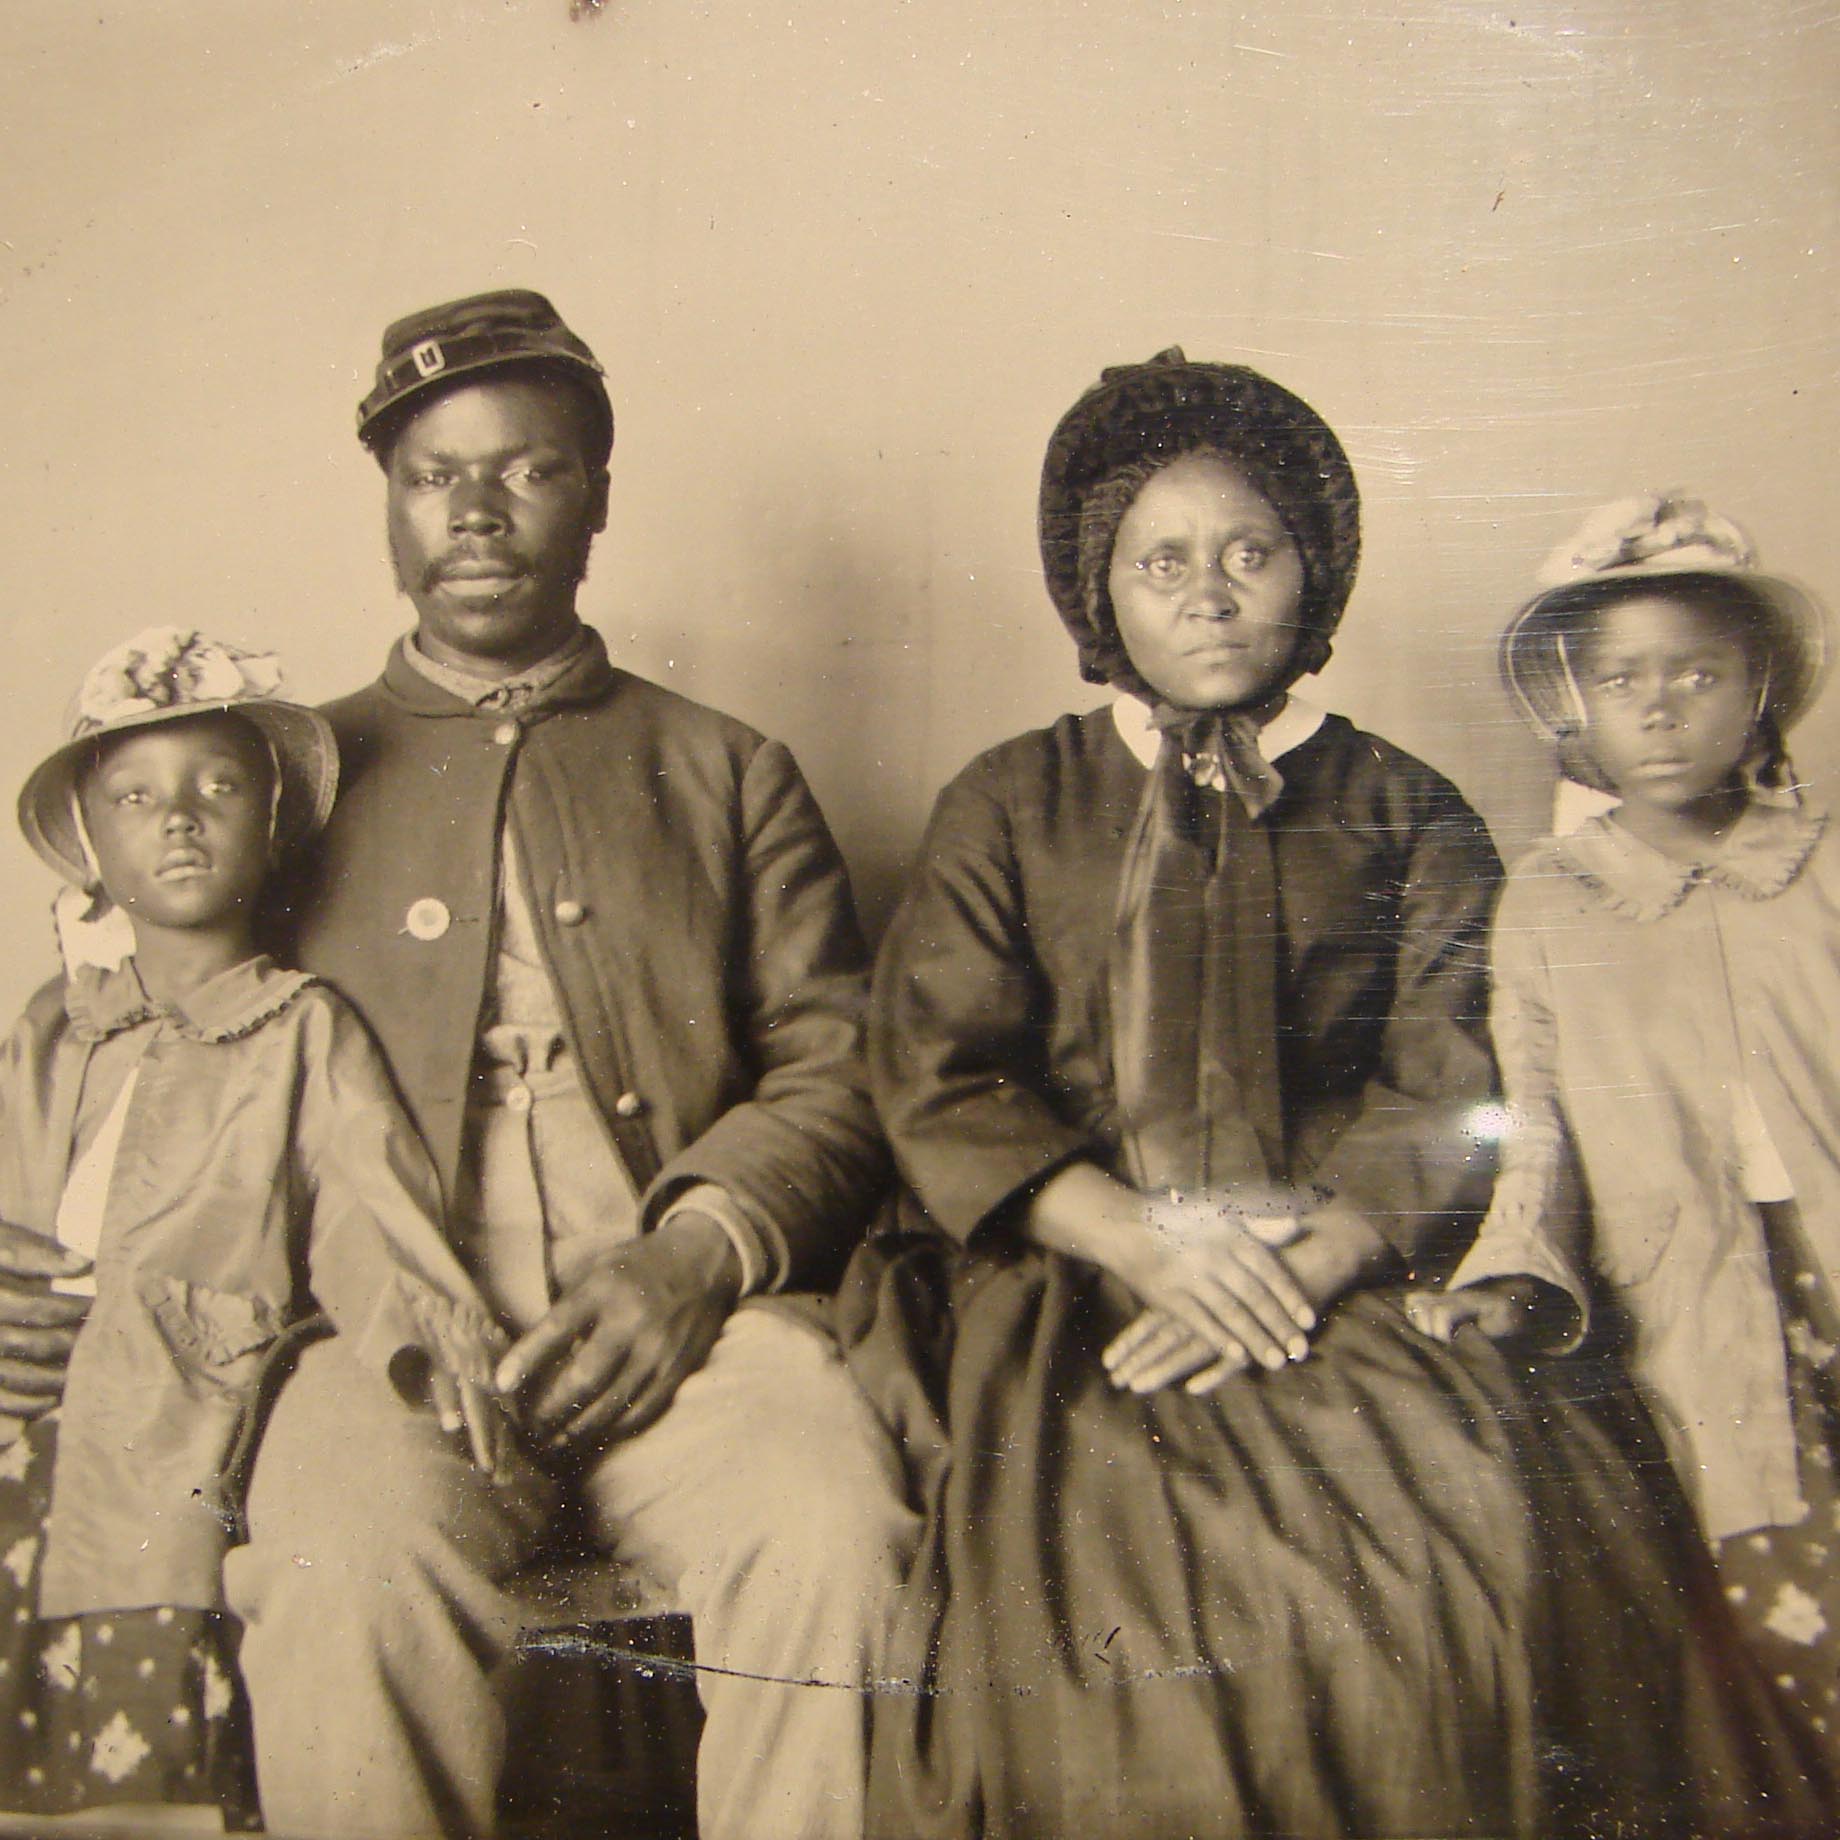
[{"x": 474, "y": 561}]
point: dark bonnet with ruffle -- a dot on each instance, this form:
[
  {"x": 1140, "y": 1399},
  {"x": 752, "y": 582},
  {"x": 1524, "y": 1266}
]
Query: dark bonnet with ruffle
[{"x": 1161, "y": 410}]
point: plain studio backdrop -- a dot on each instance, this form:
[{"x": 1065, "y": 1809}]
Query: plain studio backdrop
[{"x": 845, "y": 265}]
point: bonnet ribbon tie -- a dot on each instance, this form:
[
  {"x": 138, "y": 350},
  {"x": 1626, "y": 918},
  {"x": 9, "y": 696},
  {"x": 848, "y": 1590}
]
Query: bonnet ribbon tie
[
  {"x": 1220, "y": 752},
  {"x": 1192, "y": 978}
]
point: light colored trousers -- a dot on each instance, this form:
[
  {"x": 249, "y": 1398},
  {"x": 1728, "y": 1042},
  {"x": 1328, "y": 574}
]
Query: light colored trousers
[{"x": 767, "y": 1496}]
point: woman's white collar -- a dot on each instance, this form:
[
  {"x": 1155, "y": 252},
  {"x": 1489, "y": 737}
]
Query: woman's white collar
[{"x": 1293, "y": 725}]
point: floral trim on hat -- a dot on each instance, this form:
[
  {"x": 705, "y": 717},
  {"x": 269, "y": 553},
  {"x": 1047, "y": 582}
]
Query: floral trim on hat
[
  {"x": 1654, "y": 531},
  {"x": 170, "y": 667}
]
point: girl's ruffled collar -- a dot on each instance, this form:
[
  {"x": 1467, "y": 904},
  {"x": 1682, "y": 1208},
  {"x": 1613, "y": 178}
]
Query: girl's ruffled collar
[
  {"x": 1763, "y": 854},
  {"x": 102, "y": 1002}
]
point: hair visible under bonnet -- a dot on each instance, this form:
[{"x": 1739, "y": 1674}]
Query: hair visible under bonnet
[{"x": 1141, "y": 417}]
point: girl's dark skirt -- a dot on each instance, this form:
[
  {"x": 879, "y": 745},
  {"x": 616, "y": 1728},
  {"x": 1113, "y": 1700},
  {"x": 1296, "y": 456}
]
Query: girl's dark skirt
[
  {"x": 135, "y": 1706},
  {"x": 1396, "y": 1589}
]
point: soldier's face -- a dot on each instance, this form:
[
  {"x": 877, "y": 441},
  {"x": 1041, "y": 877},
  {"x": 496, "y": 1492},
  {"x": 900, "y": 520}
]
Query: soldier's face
[{"x": 492, "y": 509}]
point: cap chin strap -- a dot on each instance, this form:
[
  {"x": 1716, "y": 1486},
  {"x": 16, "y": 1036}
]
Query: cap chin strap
[
  {"x": 1571, "y": 683},
  {"x": 94, "y": 888},
  {"x": 274, "y": 790}
]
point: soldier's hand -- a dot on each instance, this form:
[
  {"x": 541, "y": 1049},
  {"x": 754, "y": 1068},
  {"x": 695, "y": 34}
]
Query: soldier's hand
[{"x": 613, "y": 1350}]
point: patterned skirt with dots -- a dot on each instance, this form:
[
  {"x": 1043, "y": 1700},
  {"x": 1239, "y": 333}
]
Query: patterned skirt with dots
[
  {"x": 1784, "y": 1582},
  {"x": 138, "y": 1706}
]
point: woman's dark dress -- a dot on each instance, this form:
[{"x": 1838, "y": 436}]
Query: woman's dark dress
[{"x": 1390, "y": 1590}]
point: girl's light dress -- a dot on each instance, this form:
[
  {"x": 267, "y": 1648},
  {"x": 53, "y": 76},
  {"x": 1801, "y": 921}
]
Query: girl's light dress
[
  {"x": 249, "y": 1166},
  {"x": 1669, "y": 1037}
]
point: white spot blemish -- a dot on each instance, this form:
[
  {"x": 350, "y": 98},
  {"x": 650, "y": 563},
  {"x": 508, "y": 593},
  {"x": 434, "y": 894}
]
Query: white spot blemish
[{"x": 1489, "y": 1123}]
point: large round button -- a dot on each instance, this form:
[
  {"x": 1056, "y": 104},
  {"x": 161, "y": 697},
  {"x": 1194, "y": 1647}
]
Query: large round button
[
  {"x": 506, "y": 734},
  {"x": 570, "y": 913},
  {"x": 427, "y": 919},
  {"x": 518, "y": 1099},
  {"x": 628, "y": 1105}
]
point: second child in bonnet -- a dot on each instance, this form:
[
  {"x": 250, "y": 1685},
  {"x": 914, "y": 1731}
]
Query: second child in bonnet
[
  {"x": 1666, "y": 1012},
  {"x": 213, "y": 1146}
]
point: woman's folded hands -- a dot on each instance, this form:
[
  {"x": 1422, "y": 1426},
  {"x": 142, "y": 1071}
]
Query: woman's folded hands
[{"x": 1228, "y": 1279}]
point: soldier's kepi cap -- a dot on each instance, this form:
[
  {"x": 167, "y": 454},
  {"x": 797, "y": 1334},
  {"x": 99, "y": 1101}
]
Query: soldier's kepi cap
[{"x": 427, "y": 352}]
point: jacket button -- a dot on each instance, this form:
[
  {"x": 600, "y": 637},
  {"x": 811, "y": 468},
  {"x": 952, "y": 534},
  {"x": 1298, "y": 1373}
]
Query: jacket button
[
  {"x": 571, "y": 913},
  {"x": 506, "y": 734},
  {"x": 628, "y": 1105},
  {"x": 427, "y": 919}
]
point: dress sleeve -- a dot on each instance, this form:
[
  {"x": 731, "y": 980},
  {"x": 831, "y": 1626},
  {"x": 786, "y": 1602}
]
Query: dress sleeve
[
  {"x": 378, "y": 1263},
  {"x": 800, "y": 1155},
  {"x": 35, "y": 1128},
  {"x": 37, "y": 1113},
  {"x": 958, "y": 1019},
  {"x": 1418, "y": 1151},
  {"x": 1536, "y": 1223}
]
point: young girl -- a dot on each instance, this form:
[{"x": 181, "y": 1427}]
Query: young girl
[
  {"x": 1178, "y": 1038},
  {"x": 214, "y": 1144},
  {"x": 1667, "y": 1010}
]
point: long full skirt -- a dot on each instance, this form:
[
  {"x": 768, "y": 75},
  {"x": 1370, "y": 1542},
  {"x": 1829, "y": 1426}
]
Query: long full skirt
[{"x": 1396, "y": 1589}]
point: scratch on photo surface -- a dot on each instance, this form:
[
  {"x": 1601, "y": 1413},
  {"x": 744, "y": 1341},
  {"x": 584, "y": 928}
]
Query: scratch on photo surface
[
  {"x": 582, "y": 1645},
  {"x": 381, "y": 54}
]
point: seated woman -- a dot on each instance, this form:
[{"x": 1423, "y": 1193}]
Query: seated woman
[{"x": 1178, "y": 1037}]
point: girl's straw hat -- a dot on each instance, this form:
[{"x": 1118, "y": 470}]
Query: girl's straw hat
[
  {"x": 163, "y": 675},
  {"x": 1617, "y": 552}
]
